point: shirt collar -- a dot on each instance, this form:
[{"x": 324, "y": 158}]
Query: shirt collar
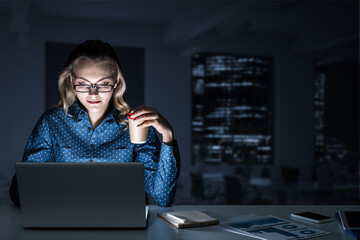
[
  {"x": 113, "y": 114},
  {"x": 76, "y": 112}
]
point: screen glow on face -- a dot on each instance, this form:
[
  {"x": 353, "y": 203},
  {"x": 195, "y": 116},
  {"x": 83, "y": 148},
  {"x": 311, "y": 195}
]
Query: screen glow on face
[
  {"x": 103, "y": 81},
  {"x": 94, "y": 86},
  {"x": 103, "y": 85}
]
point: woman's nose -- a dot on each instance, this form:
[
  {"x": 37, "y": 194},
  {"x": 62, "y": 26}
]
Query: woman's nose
[{"x": 93, "y": 91}]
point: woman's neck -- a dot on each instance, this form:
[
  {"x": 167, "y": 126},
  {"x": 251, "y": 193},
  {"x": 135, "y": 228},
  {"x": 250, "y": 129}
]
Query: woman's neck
[{"x": 96, "y": 118}]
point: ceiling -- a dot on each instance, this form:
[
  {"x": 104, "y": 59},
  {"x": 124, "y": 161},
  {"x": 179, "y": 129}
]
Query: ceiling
[{"x": 329, "y": 22}]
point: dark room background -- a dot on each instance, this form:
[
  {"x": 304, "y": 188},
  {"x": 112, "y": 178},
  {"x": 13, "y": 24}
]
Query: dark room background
[{"x": 263, "y": 96}]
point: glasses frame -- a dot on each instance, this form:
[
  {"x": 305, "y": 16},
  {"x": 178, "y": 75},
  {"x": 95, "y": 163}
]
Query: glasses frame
[{"x": 92, "y": 85}]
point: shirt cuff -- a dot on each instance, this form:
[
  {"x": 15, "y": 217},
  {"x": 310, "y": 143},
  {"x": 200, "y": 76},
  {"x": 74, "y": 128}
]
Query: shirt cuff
[{"x": 173, "y": 149}]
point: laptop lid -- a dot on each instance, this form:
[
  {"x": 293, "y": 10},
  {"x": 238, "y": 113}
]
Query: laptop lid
[{"x": 81, "y": 195}]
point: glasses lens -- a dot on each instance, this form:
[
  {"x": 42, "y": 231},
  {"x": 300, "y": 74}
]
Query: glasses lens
[
  {"x": 104, "y": 88},
  {"x": 82, "y": 88}
]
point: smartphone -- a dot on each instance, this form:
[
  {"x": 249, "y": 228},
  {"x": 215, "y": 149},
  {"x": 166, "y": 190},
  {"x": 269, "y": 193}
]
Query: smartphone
[
  {"x": 350, "y": 220},
  {"x": 312, "y": 217}
]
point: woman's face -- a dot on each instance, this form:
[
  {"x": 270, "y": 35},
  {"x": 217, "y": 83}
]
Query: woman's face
[{"x": 94, "y": 73}]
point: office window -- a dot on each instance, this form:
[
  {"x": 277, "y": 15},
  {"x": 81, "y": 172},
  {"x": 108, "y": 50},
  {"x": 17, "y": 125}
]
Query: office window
[
  {"x": 336, "y": 113},
  {"x": 232, "y": 106},
  {"x": 336, "y": 131}
]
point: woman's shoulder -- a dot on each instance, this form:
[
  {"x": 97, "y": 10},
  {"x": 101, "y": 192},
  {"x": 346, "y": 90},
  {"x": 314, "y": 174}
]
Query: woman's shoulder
[{"x": 53, "y": 114}]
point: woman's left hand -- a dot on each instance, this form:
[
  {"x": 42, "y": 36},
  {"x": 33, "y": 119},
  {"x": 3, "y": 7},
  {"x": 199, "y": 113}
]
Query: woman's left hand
[{"x": 149, "y": 116}]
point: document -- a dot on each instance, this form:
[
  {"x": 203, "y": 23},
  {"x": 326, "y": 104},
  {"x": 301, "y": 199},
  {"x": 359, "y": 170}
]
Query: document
[{"x": 273, "y": 228}]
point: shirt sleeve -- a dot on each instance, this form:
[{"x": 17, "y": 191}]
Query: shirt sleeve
[
  {"x": 38, "y": 147},
  {"x": 162, "y": 168}
]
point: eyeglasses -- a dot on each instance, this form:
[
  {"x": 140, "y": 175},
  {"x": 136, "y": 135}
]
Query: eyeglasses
[{"x": 84, "y": 87}]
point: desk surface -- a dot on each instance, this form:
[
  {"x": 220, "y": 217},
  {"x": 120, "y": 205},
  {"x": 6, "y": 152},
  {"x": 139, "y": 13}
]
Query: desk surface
[{"x": 11, "y": 228}]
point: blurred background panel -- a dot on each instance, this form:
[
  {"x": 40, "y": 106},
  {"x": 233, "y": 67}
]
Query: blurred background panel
[{"x": 263, "y": 95}]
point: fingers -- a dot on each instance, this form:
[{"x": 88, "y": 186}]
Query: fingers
[
  {"x": 142, "y": 110},
  {"x": 159, "y": 125},
  {"x": 148, "y": 116},
  {"x": 149, "y": 123},
  {"x": 145, "y": 113}
]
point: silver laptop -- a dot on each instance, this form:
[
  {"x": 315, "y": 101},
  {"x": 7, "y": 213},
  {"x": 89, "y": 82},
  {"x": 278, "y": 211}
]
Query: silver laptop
[{"x": 82, "y": 195}]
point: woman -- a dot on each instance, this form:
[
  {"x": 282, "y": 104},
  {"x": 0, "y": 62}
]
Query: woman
[{"x": 90, "y": 124}]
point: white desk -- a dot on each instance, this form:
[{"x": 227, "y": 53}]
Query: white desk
[{"x": 11, "y": 228}]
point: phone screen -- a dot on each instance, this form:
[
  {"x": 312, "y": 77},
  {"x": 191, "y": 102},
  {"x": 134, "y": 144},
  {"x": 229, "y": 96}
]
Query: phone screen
[
  {"x": 353, "y": 219},
  {"x": 313, "y": 215}
]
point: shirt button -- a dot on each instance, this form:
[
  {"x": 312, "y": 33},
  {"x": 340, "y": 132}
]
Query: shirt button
[
  {"x": 89, "y": 128},
  {"x": 91, "y": 160},
  {"x": 92, "y": 145},
  {"x": 83, "y": 114}
]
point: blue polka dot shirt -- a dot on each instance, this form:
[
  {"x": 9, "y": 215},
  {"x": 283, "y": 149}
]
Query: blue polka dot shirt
[{"x": 62, "y": 138}]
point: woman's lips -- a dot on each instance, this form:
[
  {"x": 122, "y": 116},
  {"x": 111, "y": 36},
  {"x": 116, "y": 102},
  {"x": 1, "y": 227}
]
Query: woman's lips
[{"x": 93, "y": 102}]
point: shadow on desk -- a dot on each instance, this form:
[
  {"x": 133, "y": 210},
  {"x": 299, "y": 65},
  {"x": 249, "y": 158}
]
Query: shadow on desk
[
  {"x": 11, "y": 229},
  {"x": 90, "y": 234}
]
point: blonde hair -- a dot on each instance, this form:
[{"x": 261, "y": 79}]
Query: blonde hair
[{"x": 68, "y": 94}]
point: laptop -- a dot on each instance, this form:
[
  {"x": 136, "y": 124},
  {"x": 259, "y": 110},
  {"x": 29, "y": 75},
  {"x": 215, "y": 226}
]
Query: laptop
[{"x": 81, "y": 195}]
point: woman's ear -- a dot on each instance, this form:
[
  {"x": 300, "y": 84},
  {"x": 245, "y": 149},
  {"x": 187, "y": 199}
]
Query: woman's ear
[
  {"x": 116, "y": 83},
  {"x": 70, "y": 78}
]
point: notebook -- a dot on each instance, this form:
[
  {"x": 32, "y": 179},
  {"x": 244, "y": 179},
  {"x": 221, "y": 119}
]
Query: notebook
[
  {"x": 188, "y": 219},
  {"x": 81, "y": 195}
]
